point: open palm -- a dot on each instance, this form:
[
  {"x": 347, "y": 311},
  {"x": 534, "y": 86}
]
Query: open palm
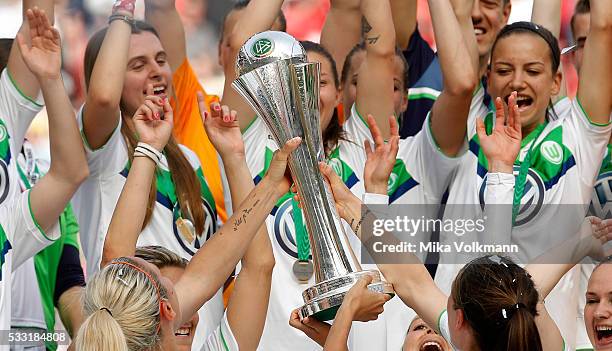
[
  {"x": 502, "y": 146},
  {"x": 222, "y": 128},
  {"x": 381, "y": 160},
  {"x": 43, "y": 54}
]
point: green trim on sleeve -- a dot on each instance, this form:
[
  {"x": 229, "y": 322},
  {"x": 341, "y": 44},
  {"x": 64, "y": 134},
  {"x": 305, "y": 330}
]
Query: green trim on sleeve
[
  {"x": 439, "y": 318},
  {"x": 34, "y": 219},
  {"x": 86, "y": 143},
  {"x": 359, "y": 115},
  {"x": 21, "y": 92},
  {"x": 422, "y": 96},
  {"x": 589, "y": 118},
  {"x": 250, "y": 124},
  {"x": 435, "y": 142}
]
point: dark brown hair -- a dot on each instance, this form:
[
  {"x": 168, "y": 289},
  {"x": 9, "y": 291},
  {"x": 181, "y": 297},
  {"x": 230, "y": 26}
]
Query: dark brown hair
[
  {"x": 188, "y": 188},
  {"x": 348, "y": 63},
  {"x": 499, "y": 301},
  {"x": 582, "y": 7},
  {"x": 334, "y": 132}
]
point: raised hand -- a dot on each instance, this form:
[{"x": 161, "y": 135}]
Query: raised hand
[
  {"x": 348, "y": 205},
  {"x": 503, "y": 145},
  {"x": 222, "y": 128},
  {"x": 43, "y": 55},
  {"x": 153, "y": 120},
  {"x": 601, "y": 238},
  {"x": 380, "y": 161},
  {"x": 278, "y": 172},
  {"x": 365, "y": 305},
  {"x": 314, "y": 329}
]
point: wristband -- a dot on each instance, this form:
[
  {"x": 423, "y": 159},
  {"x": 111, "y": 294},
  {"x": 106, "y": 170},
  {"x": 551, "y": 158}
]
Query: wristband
[
  {"x": 146, "y": 150},
  {"x": 127, "y": 19},
  {"x": 150, "y": 148}
]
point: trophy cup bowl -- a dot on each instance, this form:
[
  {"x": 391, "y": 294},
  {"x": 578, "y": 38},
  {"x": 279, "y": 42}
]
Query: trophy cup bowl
[{"x": 283, "y": 88}]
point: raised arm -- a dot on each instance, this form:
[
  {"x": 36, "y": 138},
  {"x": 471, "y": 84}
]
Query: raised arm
[
  {"x": 101, "y": 110},
  {"x": 21, "y": 75},
  {"x": 213, "y": 263},
  {"x": 595, "y": 86},
  {"x": 258, "y": 16},
  {"x": 129, "y": 214},
  {"x": 405, "y": 20},
  {"x": 375, "y": 81},
  {"x": 68, "y": 169},
  {"x": 252, "y": 286},
  {"x": 458, "y": 56},
  {"x": 548, "y": 14},
  {"x": 548, "y": 269},
  {"x": 164, "y": 17},
  {"x": 342, "y": 29}
]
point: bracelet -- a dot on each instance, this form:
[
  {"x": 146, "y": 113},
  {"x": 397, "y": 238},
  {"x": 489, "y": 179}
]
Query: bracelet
[
  {"x": 150, "y": 148},
  {"x": 146, "y": 150},
  {"x": 125, "y": 18}
]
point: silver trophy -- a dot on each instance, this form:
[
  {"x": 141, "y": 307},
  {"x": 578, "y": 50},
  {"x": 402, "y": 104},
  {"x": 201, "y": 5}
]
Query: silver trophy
[{"x": 283, "y": 88}]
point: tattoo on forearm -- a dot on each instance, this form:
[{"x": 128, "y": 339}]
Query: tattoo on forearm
[{"x": 242, "y": 217}]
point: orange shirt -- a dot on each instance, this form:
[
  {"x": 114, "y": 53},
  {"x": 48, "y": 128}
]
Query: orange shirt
[{"x": 189, "y": 130}]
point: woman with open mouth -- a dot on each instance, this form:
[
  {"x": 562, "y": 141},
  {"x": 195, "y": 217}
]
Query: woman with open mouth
[
  {"x": 598, "y": 308},
  {"x": 422, "y": 337},
  {"x": 560, "y": 154}
]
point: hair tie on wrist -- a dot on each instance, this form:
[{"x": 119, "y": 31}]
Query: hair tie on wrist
[{"x": 107, "y": 310}]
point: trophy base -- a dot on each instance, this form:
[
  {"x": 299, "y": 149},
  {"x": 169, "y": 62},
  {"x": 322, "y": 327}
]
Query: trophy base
[{"x": 324, "y": 299}]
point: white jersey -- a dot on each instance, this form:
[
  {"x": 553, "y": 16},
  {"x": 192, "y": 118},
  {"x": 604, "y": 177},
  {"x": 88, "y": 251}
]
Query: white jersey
[
  {"x": 420, "y": 176},
  {"x": 20, "y": 238},
  {"x": 95, "y": 201},
  {"x": 565, "y": 160},
  {"x": 286, "y": 291},
  {"x": 16, "y": 114},
  {"x": 222, "y": 339}
]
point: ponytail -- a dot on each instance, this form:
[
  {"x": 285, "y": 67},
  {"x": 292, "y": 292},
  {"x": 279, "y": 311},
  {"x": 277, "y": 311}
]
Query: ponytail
[
  {"x": 499, "y": 301},
  {"x": 100, "y": 332},
  {"x": 523, "y": 334}
]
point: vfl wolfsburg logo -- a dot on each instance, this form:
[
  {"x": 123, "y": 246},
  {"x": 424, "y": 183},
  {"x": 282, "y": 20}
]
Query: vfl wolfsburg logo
[
  {"x": 392, "y": 182},
  {"x": 532, "y": 200},
  {"x": 552, "y": 151},
  {"x": 601, "y": 203},
  {"x": 284, "y": 229},
  {"x": 4, "y": 180},
  {"x": 3, "y": 133},
  {"x": 262, "y": 48},
  {"x": 336, "y": 165}
]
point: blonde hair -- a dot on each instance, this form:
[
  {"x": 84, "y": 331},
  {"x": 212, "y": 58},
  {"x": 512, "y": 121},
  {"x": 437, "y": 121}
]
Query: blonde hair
[{"x": 122, "y": 305}]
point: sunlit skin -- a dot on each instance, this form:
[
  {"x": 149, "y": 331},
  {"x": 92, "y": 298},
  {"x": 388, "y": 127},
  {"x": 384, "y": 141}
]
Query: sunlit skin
[
  {"x": 230, "y": 21},
  {"x": 488, "y": 17},
  {"x": 598, "y": 308},
  {"x": 349, "y": 88},
  {"x": 329, "y": 96},
  {"x": 147, "y": 65},
  {"x": 582, "y": 24},
  {"x": 521, "y": 62},
  {"x": 186, "y": 332},
  {"x": 420, "y": 337}
]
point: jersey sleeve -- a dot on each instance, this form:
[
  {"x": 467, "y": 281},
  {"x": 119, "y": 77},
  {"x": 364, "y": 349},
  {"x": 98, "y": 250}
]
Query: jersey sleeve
[
  {"x": 16, "y": 110},
  {"x": 432, "y": 167},
  {"x": 443, "y": 326},
  {"x": 259, "y": 147},
  {"x": 222, "y": 339},
  {"x": 591, "y": 141},
  {"x": 499, "y": 196},
  {"x": 23, "y": 233},
  {"x": 110, "y": 157}
]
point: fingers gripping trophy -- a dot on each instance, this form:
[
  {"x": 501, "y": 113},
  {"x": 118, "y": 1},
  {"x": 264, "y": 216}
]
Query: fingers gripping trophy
[{"x": 283, "y": 88}]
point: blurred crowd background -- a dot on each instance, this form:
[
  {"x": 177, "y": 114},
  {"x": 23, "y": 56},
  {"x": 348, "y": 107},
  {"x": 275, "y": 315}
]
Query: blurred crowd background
[{"x": 79, "y": 19}]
